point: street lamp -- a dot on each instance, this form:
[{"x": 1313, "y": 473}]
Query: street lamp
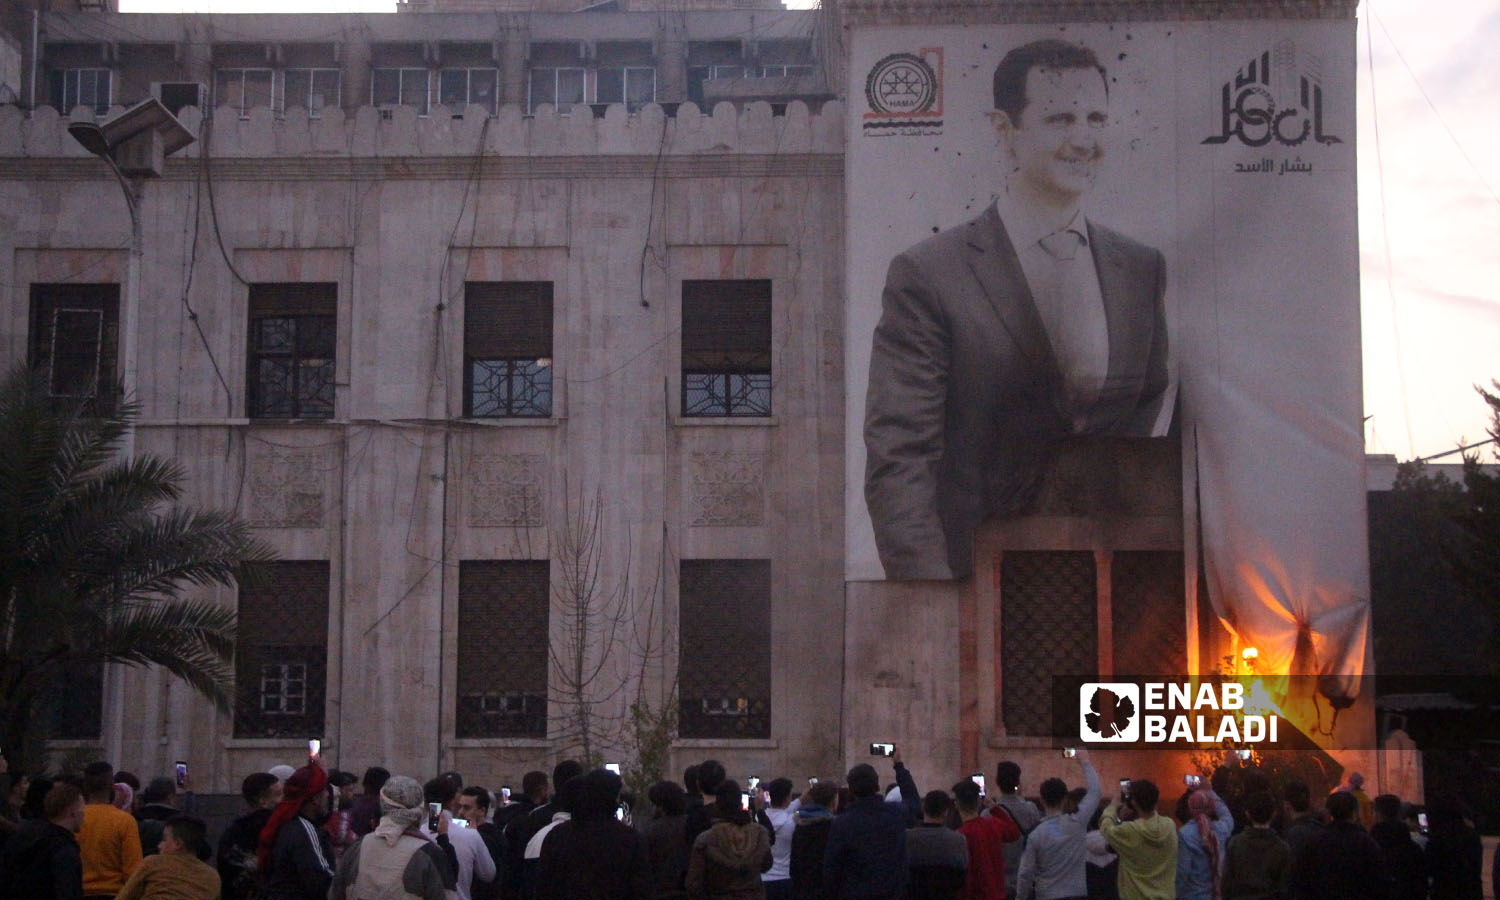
[{"x": 134, "y": 145}]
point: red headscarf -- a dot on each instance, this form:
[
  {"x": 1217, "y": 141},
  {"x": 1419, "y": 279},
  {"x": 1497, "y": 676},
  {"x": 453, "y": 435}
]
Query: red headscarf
[
  {"x": 1201, "y": 807},
  {"x": 303, "y": 785}
]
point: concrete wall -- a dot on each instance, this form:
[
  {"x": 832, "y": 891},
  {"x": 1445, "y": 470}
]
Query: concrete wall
[{"x": 399, "y": 212}]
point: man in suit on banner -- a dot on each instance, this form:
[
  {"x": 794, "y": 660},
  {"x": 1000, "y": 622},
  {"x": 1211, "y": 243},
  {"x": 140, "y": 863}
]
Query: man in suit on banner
[{"x": 1004, "y": 336}]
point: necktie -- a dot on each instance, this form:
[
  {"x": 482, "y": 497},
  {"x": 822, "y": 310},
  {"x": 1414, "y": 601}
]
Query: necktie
[{"x": 1074, "y": 321}]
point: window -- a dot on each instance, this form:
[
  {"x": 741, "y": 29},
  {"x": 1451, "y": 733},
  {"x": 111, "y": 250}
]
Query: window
[
  {"x": 502, "y": 648},
  {"x": 508, "y": 349},
  {"x": 634, "y": 86},
  {"x": 724, "y": 669},
  {"x": 311, "y": 89},
  {"x": 458, "y": 88},
  {"x": 292, "y": 350},
  {"x": 784, "y": 71},
  {"x": 1048, "y": 628},
  {"x": 242, "y": 89},
  {"x": 400, "y": 87},
  {"x": 74, "y": 340},
  {"x": 81, "y": 87},
  {"x": 726, "y": 348},
  {"x": 281, "y": 653},
  {"x": 561, "y": 87},
  {"x": 1149, "y": 627}
]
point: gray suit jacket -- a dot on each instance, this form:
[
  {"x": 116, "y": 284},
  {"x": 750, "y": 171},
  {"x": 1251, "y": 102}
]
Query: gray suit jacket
[{"x": 965, "y": 396}]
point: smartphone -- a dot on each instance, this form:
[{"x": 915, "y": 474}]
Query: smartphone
[
  {"x": 1193, "y": 781},
  {"x": 745, "y": 802},
  {"x": 882, "y": 749},
  {"x": 314, "y": 747},
  {"x": 505, "y": 793},
  {"x": 457, "y": 823},
  {"x": 181, "y": 773},
  {"x": 1124, "y": 788},
  {"x": 1070, "y": 753},
  {"x": 978, "y": 778},
  {"x": 765, "y": 798},
  {"x": 754, "y": 782},
  {"x": 613, "y": 767},
  {"x": 812, "y": 780},
  {"x": 1422, "y": 822},
  {"x": 620, "y": 813},
  {"x": 434, "y": 812},
  {"x": 1245, "y": 754}
]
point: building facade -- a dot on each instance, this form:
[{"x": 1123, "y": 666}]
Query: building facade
[{"x": 520, "y": 336}]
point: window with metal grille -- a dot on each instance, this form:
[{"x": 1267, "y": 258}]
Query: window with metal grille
[
  {"x": 502, "y": 648},
  {"x": 400, "y": 87},
  {"x": 293, "y": 341},
  {"x": 1048, "y": 629},
  {"x": 242, "y": 89},
  {"x": 726, "y": 348},
  {"x": 81, "y": 87},
  {"x": 724, "y": 667},
  {"x": 74, "y": 341},
  {"x": 561, "y": 86},
  {"x": 508, "y": 349},
  {"x": 458, "y": 88},
  {"x": 311, "y": 89},
  {"x": 1146, "y": 611},
  {"x": 281, "y": 652},
  {"x": 634, "y": 86}
]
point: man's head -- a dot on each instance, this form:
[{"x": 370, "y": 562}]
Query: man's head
[
  {"x": 824, "y": 794},
  {"x": 345, "y": 782},
  {"x": 1297, "y": 796},
  {"x": 63, "y": 806},
  {"x": 966, "y": 797},
  {"x": 182, "y": 834},
  {"x": 780, "y": 790},
  {"x": 161, "y": 791},
  {"x": 261, "y": 790},
  {"x": 710, "y": 776},
  {"x": 1261, "y": 806},
  {"x": 98, "y": 783},
  {"x": 668, "y": 797},
  {"x": 1008, "y": 777},
  {"x": 936, "y": 806},
  {"x": 440, "y": 790},
  {"x": 1054, "y": 792},
  {"x": 473, "y": 805},
  {"x": 1388, "y": 808},
  {"x": 1051, "y": 109},
  {"x": 564, "y": 772},
  {"x": 1341, "y": 806},
  {"x": 1144, "y": 796},
  {"x": 863, "y": 781},
  {"x": 375, "y": 779},
  {"x": 534, "y": 787}
]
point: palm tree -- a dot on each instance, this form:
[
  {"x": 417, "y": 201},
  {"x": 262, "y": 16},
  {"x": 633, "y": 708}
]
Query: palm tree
[{"x": 93, "y": 555}]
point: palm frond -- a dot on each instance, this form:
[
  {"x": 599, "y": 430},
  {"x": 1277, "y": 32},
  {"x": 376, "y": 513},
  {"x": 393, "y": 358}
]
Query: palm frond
[{"x": 192, "y": 639}]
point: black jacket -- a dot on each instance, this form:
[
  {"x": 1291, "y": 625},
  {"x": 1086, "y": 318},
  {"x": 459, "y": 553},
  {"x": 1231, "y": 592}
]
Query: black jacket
[
  {"x": 236, "y": 856},
  {"x": 1405, "y": 862},
  {"x": 494, "y": 841},
  {"x": 301, "y": 862},
  {"x": 809, "y": 842},
  {"x": 600, "y": 859},
  {"x": 41, "y": 862},
  {"x": 1342, "y": 863},
  {"x": 518, "y": 834},
  {"x": 1455, "y": 858}
]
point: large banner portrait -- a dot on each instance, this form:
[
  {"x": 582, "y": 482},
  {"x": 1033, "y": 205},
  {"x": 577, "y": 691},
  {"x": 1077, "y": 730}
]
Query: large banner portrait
[{"x": 1065, "y": 233}]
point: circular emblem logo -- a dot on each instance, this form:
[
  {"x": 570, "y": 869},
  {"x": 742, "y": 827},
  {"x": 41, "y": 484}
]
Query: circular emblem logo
[{"x": 901, "y": 83}]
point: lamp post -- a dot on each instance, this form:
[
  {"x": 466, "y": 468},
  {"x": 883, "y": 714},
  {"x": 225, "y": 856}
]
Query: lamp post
[{"x": 133, "y": 144}]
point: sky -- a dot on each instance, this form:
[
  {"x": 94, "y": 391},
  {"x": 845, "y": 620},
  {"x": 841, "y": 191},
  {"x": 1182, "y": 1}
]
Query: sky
[{"x": 1429, "y": 210}]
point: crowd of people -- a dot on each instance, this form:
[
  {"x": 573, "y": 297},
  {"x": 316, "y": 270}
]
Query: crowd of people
[{"x": 312, "y": 834}]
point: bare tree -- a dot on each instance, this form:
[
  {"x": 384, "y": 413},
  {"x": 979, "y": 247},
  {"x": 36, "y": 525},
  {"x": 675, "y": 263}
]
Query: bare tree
[{"x": 608, "y": 635}]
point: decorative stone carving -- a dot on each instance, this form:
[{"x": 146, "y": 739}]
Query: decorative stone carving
[
  {"x": 505, "y": 490},
  {"x": 728, "y": 488},
  {"x": 287, "y": 488}
]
